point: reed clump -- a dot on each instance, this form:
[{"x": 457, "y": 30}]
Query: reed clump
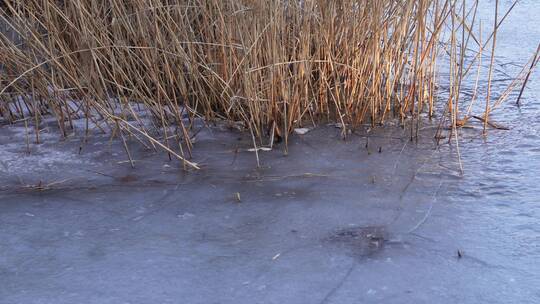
[{"x": 271, "y": 65}]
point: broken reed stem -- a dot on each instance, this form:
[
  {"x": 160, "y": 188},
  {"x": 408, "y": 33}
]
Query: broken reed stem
[
  {"x": 534, "y": 61},
  {"x": 490, "y": 73}
]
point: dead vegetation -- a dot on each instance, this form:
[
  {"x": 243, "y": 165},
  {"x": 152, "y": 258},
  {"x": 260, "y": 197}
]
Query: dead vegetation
[{"x": 271, "y": 66}]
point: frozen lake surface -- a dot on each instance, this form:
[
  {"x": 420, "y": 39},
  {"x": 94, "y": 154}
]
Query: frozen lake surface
[{"x": 378, "y": 220}]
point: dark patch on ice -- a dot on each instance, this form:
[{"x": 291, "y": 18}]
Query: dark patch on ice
[
  {"x": 128, "y": 178},
  {"x": 361, "y": 241},
  {"x": 96, "y": 253}
]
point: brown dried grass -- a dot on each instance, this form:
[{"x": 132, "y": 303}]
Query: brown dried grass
[{"x": 273, "y": 65}]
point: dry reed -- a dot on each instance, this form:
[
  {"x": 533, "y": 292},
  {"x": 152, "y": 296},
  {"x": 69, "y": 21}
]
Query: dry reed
[{"x": 271, "y": 65}]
